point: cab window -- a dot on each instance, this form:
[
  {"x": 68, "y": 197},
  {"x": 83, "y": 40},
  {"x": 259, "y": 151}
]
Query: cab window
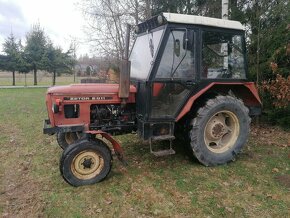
[
  {"x": 178, "y": 57},
  {"x": 222, "y": 56}
]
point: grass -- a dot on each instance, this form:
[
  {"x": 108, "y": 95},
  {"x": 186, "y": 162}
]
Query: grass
[
  {"x": 174, "y": 186},
  {"x": 43, "y": 79}
]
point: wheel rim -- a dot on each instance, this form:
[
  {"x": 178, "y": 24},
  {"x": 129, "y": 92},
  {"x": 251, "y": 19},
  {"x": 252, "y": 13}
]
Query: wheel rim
[
  {"x": 221, "y": 131},
  {"x": 69, "y": 137},
  {"x": 87, "y": 165}
]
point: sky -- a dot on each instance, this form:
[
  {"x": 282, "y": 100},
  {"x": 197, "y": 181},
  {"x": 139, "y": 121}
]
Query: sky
[{"x": 61, "y": 20}]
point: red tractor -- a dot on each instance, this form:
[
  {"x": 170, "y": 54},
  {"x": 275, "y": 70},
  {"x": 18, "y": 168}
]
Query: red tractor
[{"x": 188, "y": 77}]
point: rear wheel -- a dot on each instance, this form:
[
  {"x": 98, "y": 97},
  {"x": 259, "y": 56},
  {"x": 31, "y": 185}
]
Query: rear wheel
[
  {"x": 66, "y": 138},
  {"x": 219, "y": 130},
  {"x": 85, "y": 162}
]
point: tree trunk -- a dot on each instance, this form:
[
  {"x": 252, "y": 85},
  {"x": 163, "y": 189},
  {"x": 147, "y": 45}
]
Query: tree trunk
[
  {"x": 148, "y": 9},
  {"x": 53, "y": 78},
  {"x": 188, "y": 7},
  {"x": 35, "y": 76},
  {"x": 136, "y": 15},
  {"x": 13, "y": 78}
]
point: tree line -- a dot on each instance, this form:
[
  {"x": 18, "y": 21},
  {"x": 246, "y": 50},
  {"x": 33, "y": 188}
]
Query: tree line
[{"x": 38, "y": 53}]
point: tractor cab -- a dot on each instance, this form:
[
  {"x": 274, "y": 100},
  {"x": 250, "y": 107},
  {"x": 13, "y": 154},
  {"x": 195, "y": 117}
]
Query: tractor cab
[{"x": 174, "y": 57}]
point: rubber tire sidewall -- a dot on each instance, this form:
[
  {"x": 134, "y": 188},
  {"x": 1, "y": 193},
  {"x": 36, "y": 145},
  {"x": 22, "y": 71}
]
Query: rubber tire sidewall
[
  {"x": 73, "y": 150},
  {"x": 60, "y": 137},
  {"x": 99, "y": 142},
  {"x": 221, "y": 103}
]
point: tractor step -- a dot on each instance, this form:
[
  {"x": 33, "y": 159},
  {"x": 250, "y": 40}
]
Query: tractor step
[
  {"x": 164, "y": 152},
  {"x": 162, "y": 138}
]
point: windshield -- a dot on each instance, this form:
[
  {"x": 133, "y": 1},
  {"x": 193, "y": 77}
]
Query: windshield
[{"x": 143, "y": 53}]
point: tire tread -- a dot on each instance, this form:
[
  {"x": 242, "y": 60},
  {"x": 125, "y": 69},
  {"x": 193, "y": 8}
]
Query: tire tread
[{"x": 201, "y": 115}]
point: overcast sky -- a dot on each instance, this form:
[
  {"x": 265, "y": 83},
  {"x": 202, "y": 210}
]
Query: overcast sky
[{"x": 61, "y": 20}]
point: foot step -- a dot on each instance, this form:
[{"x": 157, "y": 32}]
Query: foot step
[
  {"x": 162, "y": 138},
  {"x": 162, "y": 153}
]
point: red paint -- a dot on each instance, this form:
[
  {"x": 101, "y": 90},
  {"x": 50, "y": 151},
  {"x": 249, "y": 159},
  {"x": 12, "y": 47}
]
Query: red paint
[
  {"x": 58, "y": 101},
  {"x": 58, "y": 94},
  {"x": 251, "y": 86},
  {"x": 79, "y": 89},
  {"x": 157, "y": 88},
  {"x": 248, "y": 85}
]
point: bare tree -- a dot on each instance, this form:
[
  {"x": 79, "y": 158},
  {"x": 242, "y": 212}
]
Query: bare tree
[
  {"x": 107, "y": 19},
  {"x": 106, "y": 23}
]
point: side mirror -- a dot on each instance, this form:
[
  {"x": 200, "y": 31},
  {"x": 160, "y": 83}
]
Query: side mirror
[
  {"x": 177, "y": 47},
  {"x": 188, "y": 40}
]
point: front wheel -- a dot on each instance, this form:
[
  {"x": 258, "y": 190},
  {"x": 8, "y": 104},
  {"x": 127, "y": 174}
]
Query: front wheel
[
  {"x": 85, "y": 162},
  {"x": 219, "y": 130}
]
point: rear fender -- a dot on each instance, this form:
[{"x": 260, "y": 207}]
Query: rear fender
[{"x": 243, "y": 90}]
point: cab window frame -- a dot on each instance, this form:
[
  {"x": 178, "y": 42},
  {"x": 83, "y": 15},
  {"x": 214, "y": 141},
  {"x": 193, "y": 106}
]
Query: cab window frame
[
  {"x": 200, "y": 53},
  {"x": 154, "y": 72}
]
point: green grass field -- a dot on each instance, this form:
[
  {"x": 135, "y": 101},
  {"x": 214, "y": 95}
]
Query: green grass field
[
  {"x": 43, "y": 79},
  {"x": 256, "y": 185}
]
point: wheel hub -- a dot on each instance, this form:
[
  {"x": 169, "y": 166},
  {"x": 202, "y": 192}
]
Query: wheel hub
[
  {"x": 87, "y": 163},
  {"x": 221, "y": 131},
  {"x": 218, "y": 130}
]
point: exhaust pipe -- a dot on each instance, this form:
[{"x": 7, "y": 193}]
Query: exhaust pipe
[{"x": 124, "y": 84}]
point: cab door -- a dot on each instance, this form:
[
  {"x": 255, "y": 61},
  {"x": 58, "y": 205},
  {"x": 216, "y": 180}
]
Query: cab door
[{"x": 175, "y": 75}]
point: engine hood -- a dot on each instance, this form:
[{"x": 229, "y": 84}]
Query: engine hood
[{"x": 87, "y": 88}]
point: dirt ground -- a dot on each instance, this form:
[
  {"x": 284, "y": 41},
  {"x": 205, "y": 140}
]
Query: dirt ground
[{"x": 19, "y": 192}]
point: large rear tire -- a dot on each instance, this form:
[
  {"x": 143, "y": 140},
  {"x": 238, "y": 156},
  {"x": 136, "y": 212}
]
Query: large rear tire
[
  {"x": 85, "y": 162},
  {"x": 219, "y": 130}
]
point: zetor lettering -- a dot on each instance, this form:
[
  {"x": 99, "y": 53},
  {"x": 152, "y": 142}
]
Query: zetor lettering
[{"x": 87, "y": 98}]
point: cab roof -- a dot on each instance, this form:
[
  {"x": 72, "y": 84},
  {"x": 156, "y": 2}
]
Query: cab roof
[
  {"x": 200, "y": 20},
  {"x": 164, "y": 18}
]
